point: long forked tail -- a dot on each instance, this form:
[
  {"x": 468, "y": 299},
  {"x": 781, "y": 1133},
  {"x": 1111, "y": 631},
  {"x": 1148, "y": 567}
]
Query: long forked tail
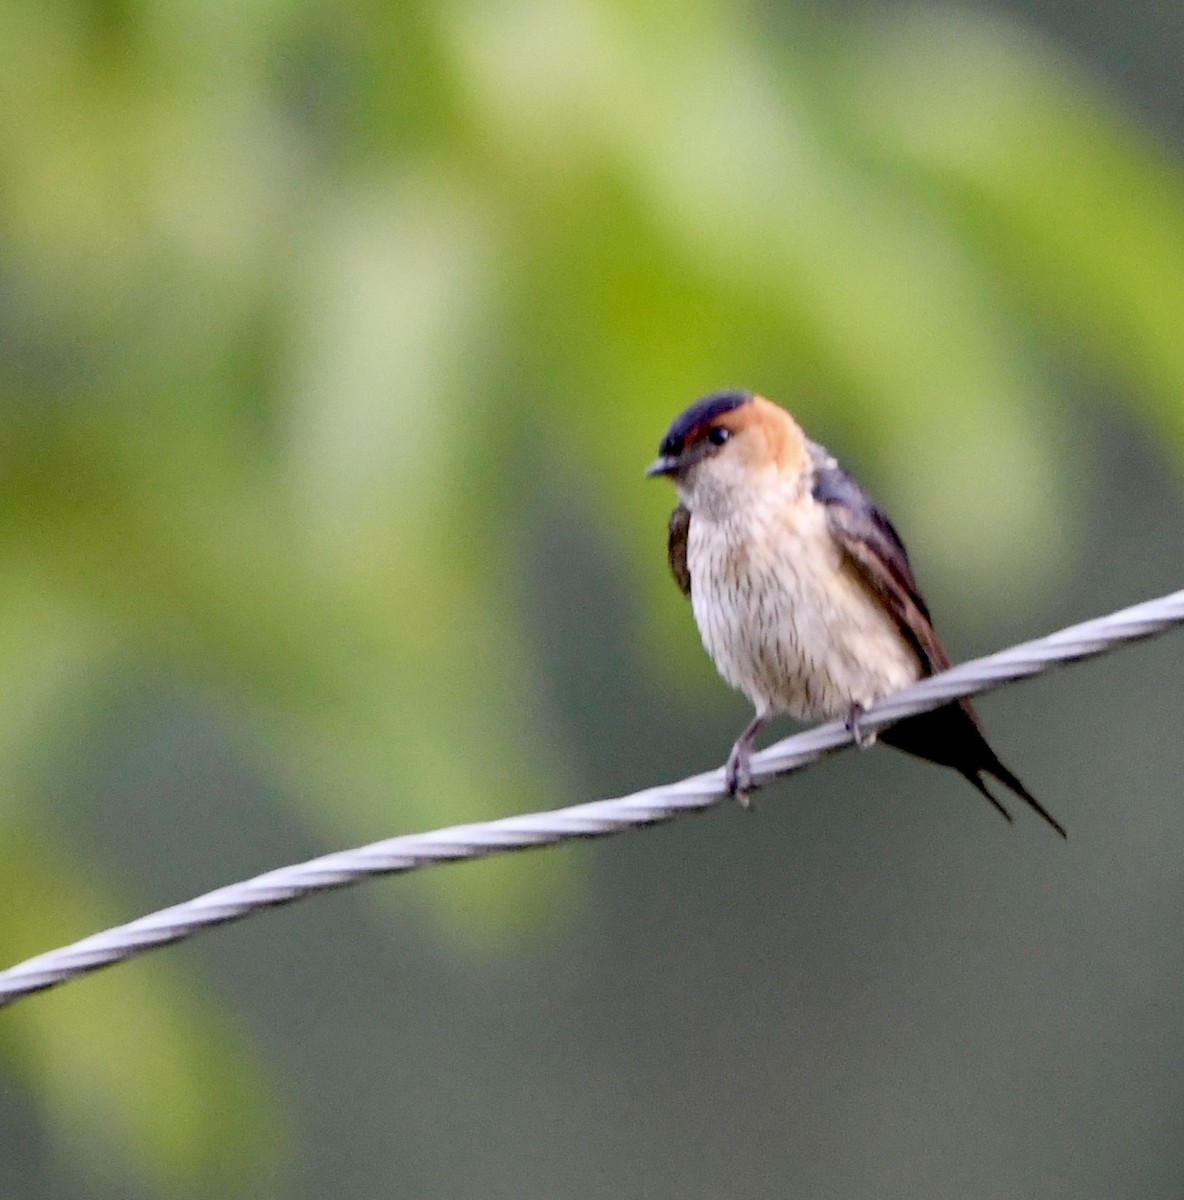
[
  {"x": 1009, "y": 779},
  {"x": 952, "y": 736}
]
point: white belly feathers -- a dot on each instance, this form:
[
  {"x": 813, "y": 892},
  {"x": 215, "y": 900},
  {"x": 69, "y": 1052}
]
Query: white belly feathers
[{"x": 787, "y": 621}]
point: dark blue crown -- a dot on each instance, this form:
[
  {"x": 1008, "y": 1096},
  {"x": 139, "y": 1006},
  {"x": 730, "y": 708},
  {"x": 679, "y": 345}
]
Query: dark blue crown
[{"x": 698, "y": 416}]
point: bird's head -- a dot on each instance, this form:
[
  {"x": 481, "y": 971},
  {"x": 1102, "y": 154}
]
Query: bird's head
[{"x": 726, "y": 445}]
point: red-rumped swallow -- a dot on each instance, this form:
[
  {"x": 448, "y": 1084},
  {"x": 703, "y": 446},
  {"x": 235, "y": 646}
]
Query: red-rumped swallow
[{"x": 801, "y": 588}]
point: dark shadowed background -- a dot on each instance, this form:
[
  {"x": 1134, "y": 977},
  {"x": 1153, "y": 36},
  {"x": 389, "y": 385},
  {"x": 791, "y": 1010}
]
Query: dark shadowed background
[{"x": 334, "y": 340}]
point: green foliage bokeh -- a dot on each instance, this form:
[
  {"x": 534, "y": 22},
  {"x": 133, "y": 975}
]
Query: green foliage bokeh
[{"x": 297, "y": 302}]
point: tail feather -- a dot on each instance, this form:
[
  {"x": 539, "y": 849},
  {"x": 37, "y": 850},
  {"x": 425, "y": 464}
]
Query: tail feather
[
  {"x": 953, "y": 737},
  {"x": 1009, "y": 779},
  {"x": 976, "y": 779}
]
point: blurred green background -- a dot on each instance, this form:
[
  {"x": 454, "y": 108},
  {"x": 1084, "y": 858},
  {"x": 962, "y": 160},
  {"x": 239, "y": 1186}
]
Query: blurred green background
[{"x": 334, "y": 340}]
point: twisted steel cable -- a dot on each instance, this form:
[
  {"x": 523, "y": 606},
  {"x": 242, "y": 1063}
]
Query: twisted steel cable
[{"x": 598, "y": 819}]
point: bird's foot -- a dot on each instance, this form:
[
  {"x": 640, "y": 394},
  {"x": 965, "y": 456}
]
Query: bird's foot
[
  {"x": 865, "y": 739},
  {"x": 738, "y": 772},
  {"x": 738, "y": 775}
]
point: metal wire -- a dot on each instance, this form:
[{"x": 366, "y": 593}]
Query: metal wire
[{"x": 598, "y": 819}]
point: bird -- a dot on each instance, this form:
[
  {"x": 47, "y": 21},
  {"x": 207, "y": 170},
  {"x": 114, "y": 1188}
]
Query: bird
[{"x": 802, "y": 589}]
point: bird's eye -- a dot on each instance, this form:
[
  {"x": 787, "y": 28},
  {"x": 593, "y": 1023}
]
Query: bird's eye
[{"x": 718, "y": 434}]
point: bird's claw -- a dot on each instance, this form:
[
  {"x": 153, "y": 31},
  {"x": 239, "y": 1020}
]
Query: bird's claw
[
  {"x": 738, "y": 777},
  {"x": 865, "y": 739}
]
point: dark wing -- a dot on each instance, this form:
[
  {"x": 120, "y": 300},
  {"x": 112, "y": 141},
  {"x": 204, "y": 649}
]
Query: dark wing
[
  {"x": 676, "y": 548},
  {"x": 877, "y": 552},
  {"x": 951, "y": 735}
]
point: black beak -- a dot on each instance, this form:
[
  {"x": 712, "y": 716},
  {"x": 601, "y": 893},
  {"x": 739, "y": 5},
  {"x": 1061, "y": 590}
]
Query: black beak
[{"x": 667, "y": 464}]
